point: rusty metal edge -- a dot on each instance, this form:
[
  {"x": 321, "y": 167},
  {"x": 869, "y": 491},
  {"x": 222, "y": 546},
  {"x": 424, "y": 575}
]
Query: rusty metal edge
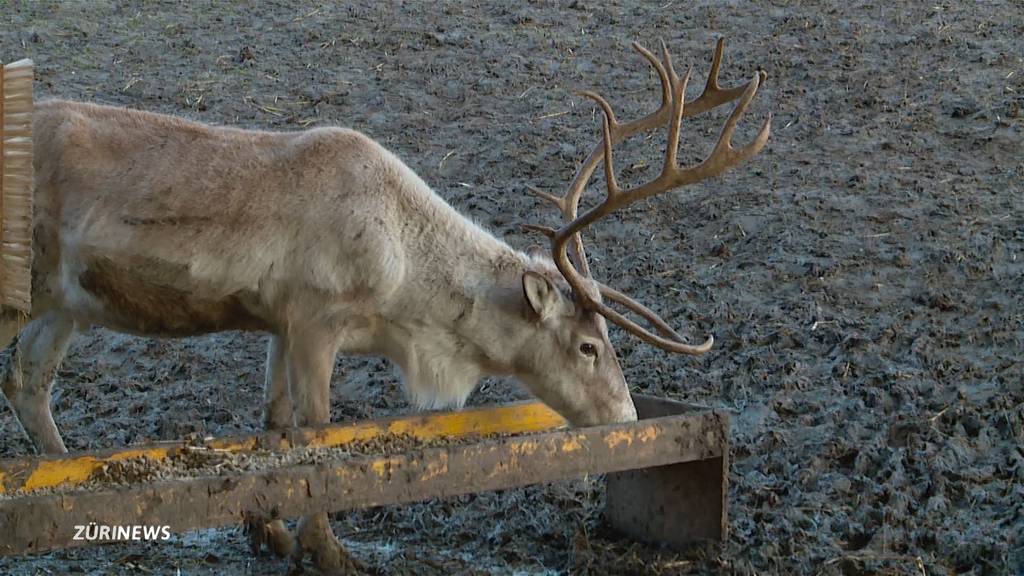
[{"x": 37, "y": 523}]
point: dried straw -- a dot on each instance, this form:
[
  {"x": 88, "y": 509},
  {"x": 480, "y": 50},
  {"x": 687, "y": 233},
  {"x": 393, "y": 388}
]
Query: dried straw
[{"x": 16, "y": 109}]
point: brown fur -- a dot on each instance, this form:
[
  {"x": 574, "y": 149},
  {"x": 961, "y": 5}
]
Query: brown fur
[{"x": 151, "y": 308}]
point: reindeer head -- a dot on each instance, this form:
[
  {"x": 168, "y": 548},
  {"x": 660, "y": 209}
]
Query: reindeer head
[
  {"x": 568, "y": 362},
  {"x": 574, "y": 368}
]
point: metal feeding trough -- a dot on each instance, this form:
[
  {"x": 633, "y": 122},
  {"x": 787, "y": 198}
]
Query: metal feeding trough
[{"x": 666, "y": 474}]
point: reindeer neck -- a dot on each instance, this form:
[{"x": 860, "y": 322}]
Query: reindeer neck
[{"x": 470, "y": 283}]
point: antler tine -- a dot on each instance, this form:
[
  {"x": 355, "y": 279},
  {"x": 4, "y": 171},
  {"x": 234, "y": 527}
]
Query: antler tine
[
  {"x": 716, "y": 61},
  {"x": 545, "y": 230},
  {"x": 671, "y": 341},
  {"x": 605, "y": 106},
  {"x": 724, "y": 155},
  {"x": 609, "y": 164},
  {"x": 713, "y": 95},
  {"x": 678, "y": 107},
  {"x": 666, "y": 84},
  {"x": 666, "y": 57},
  {"x": 616, "y": 296},
  {"x": 558, "y": 201}
]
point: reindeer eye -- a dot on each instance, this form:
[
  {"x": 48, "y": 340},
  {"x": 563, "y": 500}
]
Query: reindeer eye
[{"x": 588, "y": 349}]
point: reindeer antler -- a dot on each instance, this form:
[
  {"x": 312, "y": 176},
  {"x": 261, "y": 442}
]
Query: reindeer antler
[{"x": 671, "y": 111}]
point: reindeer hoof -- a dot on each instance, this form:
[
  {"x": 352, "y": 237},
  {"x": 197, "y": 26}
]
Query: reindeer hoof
[
  {"x": 274, "y": 534},
  {"x": 279, "y": 539},
  {"x": 329, "y": 555}
]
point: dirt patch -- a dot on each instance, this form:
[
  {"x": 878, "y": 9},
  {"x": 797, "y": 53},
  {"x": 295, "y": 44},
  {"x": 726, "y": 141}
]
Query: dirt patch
[{"x": 863, "y": 276}]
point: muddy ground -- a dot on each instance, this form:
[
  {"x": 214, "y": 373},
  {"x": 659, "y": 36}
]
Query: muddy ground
[{"x": 864, "y": 276}]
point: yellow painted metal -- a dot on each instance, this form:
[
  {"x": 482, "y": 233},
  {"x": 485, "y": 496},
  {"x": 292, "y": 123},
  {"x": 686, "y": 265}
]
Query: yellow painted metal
[
  {"x": 50, "y": 473},
  {"x": 30, "y": 474},
  {"x": 511, "y": 419}
]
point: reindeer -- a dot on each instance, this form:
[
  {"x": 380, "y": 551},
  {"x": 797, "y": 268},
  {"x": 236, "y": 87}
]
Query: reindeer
[{"x": 153, "y": 225}]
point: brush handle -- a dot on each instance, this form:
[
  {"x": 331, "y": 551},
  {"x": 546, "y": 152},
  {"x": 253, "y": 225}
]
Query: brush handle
[{"x": 16, "y": 185}]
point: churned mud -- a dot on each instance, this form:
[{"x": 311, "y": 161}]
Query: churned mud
[{"x": 863, "y": 277}]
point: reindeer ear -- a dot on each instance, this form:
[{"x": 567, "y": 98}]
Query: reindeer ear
[
  {"x": 535, "y": 251},
  {"x": 543, "y": 296}
]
